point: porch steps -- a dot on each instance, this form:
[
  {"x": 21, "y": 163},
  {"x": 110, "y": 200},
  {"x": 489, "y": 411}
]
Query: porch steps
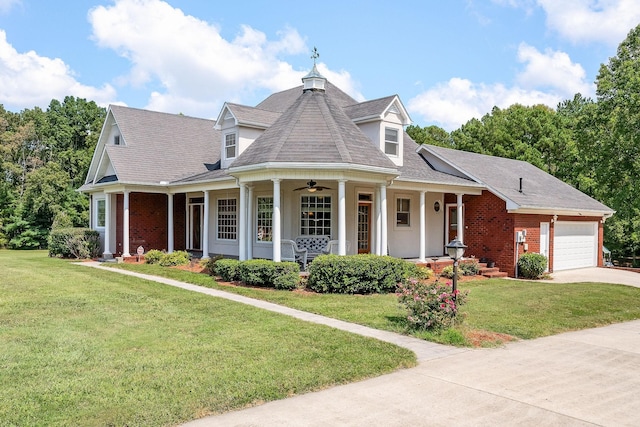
[
  {"x": 491, "y": 272},
  {"x": 437, "y": 265}
]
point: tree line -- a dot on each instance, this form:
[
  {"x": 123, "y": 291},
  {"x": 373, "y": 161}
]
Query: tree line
[
  {"x": 44, "y": 158},
  {"x": 593, "y": 145}
]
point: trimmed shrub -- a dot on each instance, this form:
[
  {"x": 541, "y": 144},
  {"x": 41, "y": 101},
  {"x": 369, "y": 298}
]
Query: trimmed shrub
[
  {"x": 430, "y": 305},
  {"x": 287, "y": 281},
  {"x": 531, "y": 265},
  {"x": 174, "y": 258},
  {"x": 210, "y": 264},
  {"x": 356, "y": 274},
  {"x": 257, "y": 272},
  {"x": 448, "y": 272},
  {"x": 80, "y": 243},
  {"x": 469, "y": 268},
  {"x": 227, "y": 269},
  {"x": 153, "y": 256},
  {"x": 416, "y": 271}
]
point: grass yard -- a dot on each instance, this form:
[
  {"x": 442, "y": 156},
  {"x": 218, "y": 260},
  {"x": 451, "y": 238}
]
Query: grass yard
[
  {"x": 521, "y": 309},
  {"x": 87, "y": 347}
]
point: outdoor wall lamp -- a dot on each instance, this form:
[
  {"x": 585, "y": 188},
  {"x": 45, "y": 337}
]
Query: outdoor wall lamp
[{"x": 455, "y": 250}]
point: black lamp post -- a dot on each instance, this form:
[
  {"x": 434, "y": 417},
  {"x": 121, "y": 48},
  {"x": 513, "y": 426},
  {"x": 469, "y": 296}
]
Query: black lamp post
[{"x": 455, "y": 250}]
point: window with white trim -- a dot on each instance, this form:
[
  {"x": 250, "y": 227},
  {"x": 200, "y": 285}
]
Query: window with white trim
[
  {"x": 101, "y": 213},
  {"x": 227, "y": 219},
  {"x": 403, "y": 212},
  {"x": 315, "y": 215},
  {"x": 230, "y": 145},
  {"x": 391, "y": 145},
  {"x": 264, "y": 219},
  {"x": 116, "y": 140}
]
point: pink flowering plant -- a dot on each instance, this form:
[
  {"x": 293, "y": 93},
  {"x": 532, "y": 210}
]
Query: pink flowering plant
[{"x": 430, "y": 305}]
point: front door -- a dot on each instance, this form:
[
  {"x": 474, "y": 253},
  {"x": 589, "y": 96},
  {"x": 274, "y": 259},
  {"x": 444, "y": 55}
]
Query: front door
[
  {"x": 194, "y": 226},
  {"x": 452, "y": 222},
  {"x": 364, "y": 228}
]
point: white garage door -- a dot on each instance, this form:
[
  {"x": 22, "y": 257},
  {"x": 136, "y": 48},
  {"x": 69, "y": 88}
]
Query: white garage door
[{"x": 575, "y": 245}]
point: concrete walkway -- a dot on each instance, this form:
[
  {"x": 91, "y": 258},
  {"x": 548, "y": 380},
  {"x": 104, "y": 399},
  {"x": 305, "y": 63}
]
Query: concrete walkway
[{"x": 589, "y": 377}]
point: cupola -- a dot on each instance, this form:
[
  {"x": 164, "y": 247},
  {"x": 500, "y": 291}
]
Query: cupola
[{"x": 314, "y": 80}]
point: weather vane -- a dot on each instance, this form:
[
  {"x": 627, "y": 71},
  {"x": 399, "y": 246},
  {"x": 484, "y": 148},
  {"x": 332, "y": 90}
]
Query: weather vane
[{"x": 315, "y": 55}]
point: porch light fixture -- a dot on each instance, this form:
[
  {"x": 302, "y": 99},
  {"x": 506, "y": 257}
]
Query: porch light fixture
[{"x": 455, "y": 250}]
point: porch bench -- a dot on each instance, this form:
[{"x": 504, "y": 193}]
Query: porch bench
[{"x": 313, "y": 244}]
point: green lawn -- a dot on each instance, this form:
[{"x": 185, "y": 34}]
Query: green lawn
[
  {"x": 82, "y": 346},
  {"x": 523, "y": 309}
]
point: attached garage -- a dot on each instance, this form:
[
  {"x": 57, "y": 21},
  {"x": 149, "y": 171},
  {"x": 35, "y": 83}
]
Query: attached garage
[{"x": 575, "y": 245}]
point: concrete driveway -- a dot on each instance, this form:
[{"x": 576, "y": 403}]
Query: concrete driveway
[
  {"x": 596, "y": 274},
  {"x": 590, "y": 377}
]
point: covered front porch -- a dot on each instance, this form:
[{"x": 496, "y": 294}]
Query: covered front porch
[{"x": 249, "y": 218}]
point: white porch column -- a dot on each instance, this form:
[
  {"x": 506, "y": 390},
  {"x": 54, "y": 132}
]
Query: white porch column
[
  {"x": 275, "y": 238},
  {"x": 242, "y": 221},
  {"x": 423, "y": 227},
  {"x": 205, "y": 226},
  {"x": 378, "y": 223},
  {"x": 342, "y": 219},
  {"x": 460, "y": 229},
  {"x": 107, "y": 254},
  {"x": 384, "y": 244},
  {"x": 249, "y": 227},
  {"x": 125, "y": 226},
  {"x": 170, "y": 229}
]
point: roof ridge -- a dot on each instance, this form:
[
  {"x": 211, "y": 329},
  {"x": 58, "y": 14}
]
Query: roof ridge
[{"x": 325, "y": 109}]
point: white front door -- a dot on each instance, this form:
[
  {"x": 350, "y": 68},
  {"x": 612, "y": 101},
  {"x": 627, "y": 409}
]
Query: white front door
[
  {"x": 544, "y": 241},
  {"x": 195, "y": 222}
]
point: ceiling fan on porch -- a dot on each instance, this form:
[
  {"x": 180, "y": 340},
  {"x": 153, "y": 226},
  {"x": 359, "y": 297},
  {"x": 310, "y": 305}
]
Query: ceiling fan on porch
[{"x": 311, "y": 187}]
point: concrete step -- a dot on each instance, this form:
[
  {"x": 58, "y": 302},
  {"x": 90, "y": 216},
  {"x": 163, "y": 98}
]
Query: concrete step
[{"x": 494, "y": 274}]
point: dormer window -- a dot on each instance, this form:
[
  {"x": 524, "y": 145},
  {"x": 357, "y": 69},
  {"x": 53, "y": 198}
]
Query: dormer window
[
  {"x": 230, "y": 145},
  {"x": 391, "y": 141},
  {"x": 116, "y": 140}
]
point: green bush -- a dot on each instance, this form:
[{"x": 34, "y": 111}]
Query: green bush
[
  {"x": 210, "y": 264},
  {"x": 356, "y": 274},
  {"x": 79, "y": 243},
  {"x": 257, "y": 272},
  {"x": 448, "y": 272},
  {"x": 531, "y": 265},
  {"x": 417, "y": 271},
  {"x": 227, "y": 269},
  {"x": 153, "y": 256},
  {"x": 469, "y": 268},
  {"x": 174, "y": 258}
]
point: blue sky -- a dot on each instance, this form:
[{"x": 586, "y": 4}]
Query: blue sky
[{"x": 449, "y": 61}]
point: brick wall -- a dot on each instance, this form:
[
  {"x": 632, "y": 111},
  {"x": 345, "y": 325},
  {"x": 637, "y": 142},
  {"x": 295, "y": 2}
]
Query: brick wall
[
  {"x": 490, "y": 230},
  {"x": 148, "y": 221}
]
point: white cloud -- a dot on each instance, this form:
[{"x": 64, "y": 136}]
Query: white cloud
[
  {"x": 553, "y": 70},
  {"x": 6, "y": 5},
  {"x": 585, "y": 21},
  {"x": 194, "y": 66},
  {"x": 457, "y": 101},
  {"x": 547, "y": 78},
  {"x": 28, "y": 80}
]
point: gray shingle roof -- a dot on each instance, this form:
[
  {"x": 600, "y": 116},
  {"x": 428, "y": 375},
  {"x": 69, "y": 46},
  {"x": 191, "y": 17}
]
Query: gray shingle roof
[
  {"x": 253, "y": 116},
  {"x": 540, "y": 189},
  {"x": 415, "y": 168},
  {"x": 373, "y": 108},
  {"x": 281, "y": 101},
  {"x": 314, "y": 130},
  {"x": 160, "y": 146}
]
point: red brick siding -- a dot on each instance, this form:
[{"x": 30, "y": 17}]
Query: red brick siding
[
  {"x": 490, "y": 231},
  {"x": 148, "y": 221}
]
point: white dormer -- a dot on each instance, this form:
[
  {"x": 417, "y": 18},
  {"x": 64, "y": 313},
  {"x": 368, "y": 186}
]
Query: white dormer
[
  {"x": 383, "y": 121},
  {"x": 238, "y": 129}
]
